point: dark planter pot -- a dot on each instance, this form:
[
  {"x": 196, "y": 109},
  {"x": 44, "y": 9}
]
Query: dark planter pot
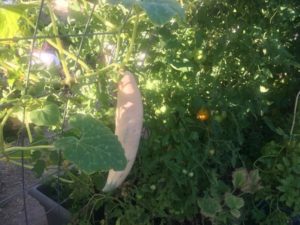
[
  {"x": 264, "y": 205},
  {"x": 56, "y": 214},
  {"x": 296, "y": 220}
]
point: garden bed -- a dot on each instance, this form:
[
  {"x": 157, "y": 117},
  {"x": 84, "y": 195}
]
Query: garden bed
[{"x": 12, "y": 210}]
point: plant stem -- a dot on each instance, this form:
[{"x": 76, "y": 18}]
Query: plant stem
[
  {"x": 294, "y": 117},
  {"x": 90, "y": 75},
  {"x": 136, "y": 18},
  {"x": 64, "y": 180},
  {"x": 181, "y": 3},
  {"x": 21, "y": 148},
  {"x": 137, "y": 15},
  {"x": 132, "y": 40},
  {"x": 117, "y": 47},
  {"x": 69, "y": 54},
  {"x": 106, "y": 22},
  {"x": 96, "y": 73},
  {"x": 68, "y": 79},
  {"x": 8, "y": 113},
  {"x": 18, "y": 163},
  {"x": 28, "y": 132}
]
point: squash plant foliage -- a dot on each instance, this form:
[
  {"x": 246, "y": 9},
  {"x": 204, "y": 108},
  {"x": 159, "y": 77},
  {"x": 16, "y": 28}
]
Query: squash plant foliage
[
  {"x": 38, "y": 101},
  {"x": 237, "y": 61}
]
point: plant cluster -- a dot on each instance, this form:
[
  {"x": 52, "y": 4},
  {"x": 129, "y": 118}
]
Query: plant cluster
[{"x": 218, "y": 79}]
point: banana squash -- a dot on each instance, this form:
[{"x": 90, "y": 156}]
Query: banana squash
[{"x": 129, "y": 120}]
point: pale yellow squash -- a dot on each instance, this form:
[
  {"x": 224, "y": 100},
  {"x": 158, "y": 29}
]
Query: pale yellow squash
[{"x": 129, "y": 120}]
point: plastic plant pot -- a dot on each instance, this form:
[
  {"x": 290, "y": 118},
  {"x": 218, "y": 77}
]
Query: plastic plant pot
[{"x": 56, "y": 214}]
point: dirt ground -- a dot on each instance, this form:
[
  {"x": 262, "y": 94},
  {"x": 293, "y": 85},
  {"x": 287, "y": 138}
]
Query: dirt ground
[{"x": 11, "y": 199}]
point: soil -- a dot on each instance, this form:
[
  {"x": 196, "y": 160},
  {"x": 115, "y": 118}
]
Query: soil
[{"x": 11, "y": 198}]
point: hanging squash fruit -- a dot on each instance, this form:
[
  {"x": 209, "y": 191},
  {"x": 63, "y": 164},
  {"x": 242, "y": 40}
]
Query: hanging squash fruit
[{"x": 129, "y": 121}]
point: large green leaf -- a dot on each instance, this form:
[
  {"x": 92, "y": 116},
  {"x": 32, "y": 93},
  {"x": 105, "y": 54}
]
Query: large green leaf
[
  {"x": 9, "y": 19},
  {"x": 127, "y": 3},
  {"x": 95, "y": 149},
  {"x": 46, "y": 116},
  {"x": 9, "y": 26},
  {"x": 159, "y": 11}
]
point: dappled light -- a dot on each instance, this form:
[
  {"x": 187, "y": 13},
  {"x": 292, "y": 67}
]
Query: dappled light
[{"x": 152, "y": 112}]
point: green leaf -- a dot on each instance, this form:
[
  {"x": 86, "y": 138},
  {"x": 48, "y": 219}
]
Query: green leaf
[
  {"x": 9, "y": 26},
  {"x": 39, "y": 167},
  {"x": 286, "y": 162},
  {"x": 9, "y": 19},
  {"x": 95, "y": 149},
  {"x": 271, "y": 125},
  {"x": 252, "y": 184},
  {"x": 159, "y": 11},
  {"x": 99, "y": 180},
  {"x": 209, "y": 206},
  {"x": 234, "y": 202},
  {"x": 126, "y": 3},
  {"x": 54, "y": 157},
  {"x": 46, "y": 116},
  {"x": 236, "y": 213},
  {"x": 254, "y": 177},
  {"x": 239, "y": 177}
]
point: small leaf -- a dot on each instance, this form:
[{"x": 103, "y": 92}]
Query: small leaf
[
  {"x": 281, "y": 132},
  {"x": 95, "y": 148},
  {"x": 286, "y": 162},
  {"x": 254, "y": 177},
  {"x": 46, "y": 116},
  {"x": 36, "y": 155},
  {"x": 209, "y": 206},
  {"x": 252, "y": 185},
  {"x": 272, "y": 127},
  {"x": 37, "y": 89},
  {"x": 239, "y": 177},
  {"x": 234, "y": 202},
  {"x": 236, "y": 213},
  {"x": 39, "y": 167},
  {"x": 54, "y": 157}
]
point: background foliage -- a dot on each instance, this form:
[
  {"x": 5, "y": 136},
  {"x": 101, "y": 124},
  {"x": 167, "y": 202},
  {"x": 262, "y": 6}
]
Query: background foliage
[{"x": 235, "y": 62}]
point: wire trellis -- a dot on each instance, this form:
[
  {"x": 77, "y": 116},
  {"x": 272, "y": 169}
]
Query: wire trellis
[
  {"x": 22, "y": 139},
  {"x": 24, "y": 109},
  {"x": 52, "y": 36}
]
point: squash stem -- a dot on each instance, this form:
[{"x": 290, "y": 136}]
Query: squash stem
[
  {"x": 28, "y": 148},
  {"x": 18, "y": 163},
  {"x": 132, "y": 40},
  {"x": 28, "y": 132}
]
